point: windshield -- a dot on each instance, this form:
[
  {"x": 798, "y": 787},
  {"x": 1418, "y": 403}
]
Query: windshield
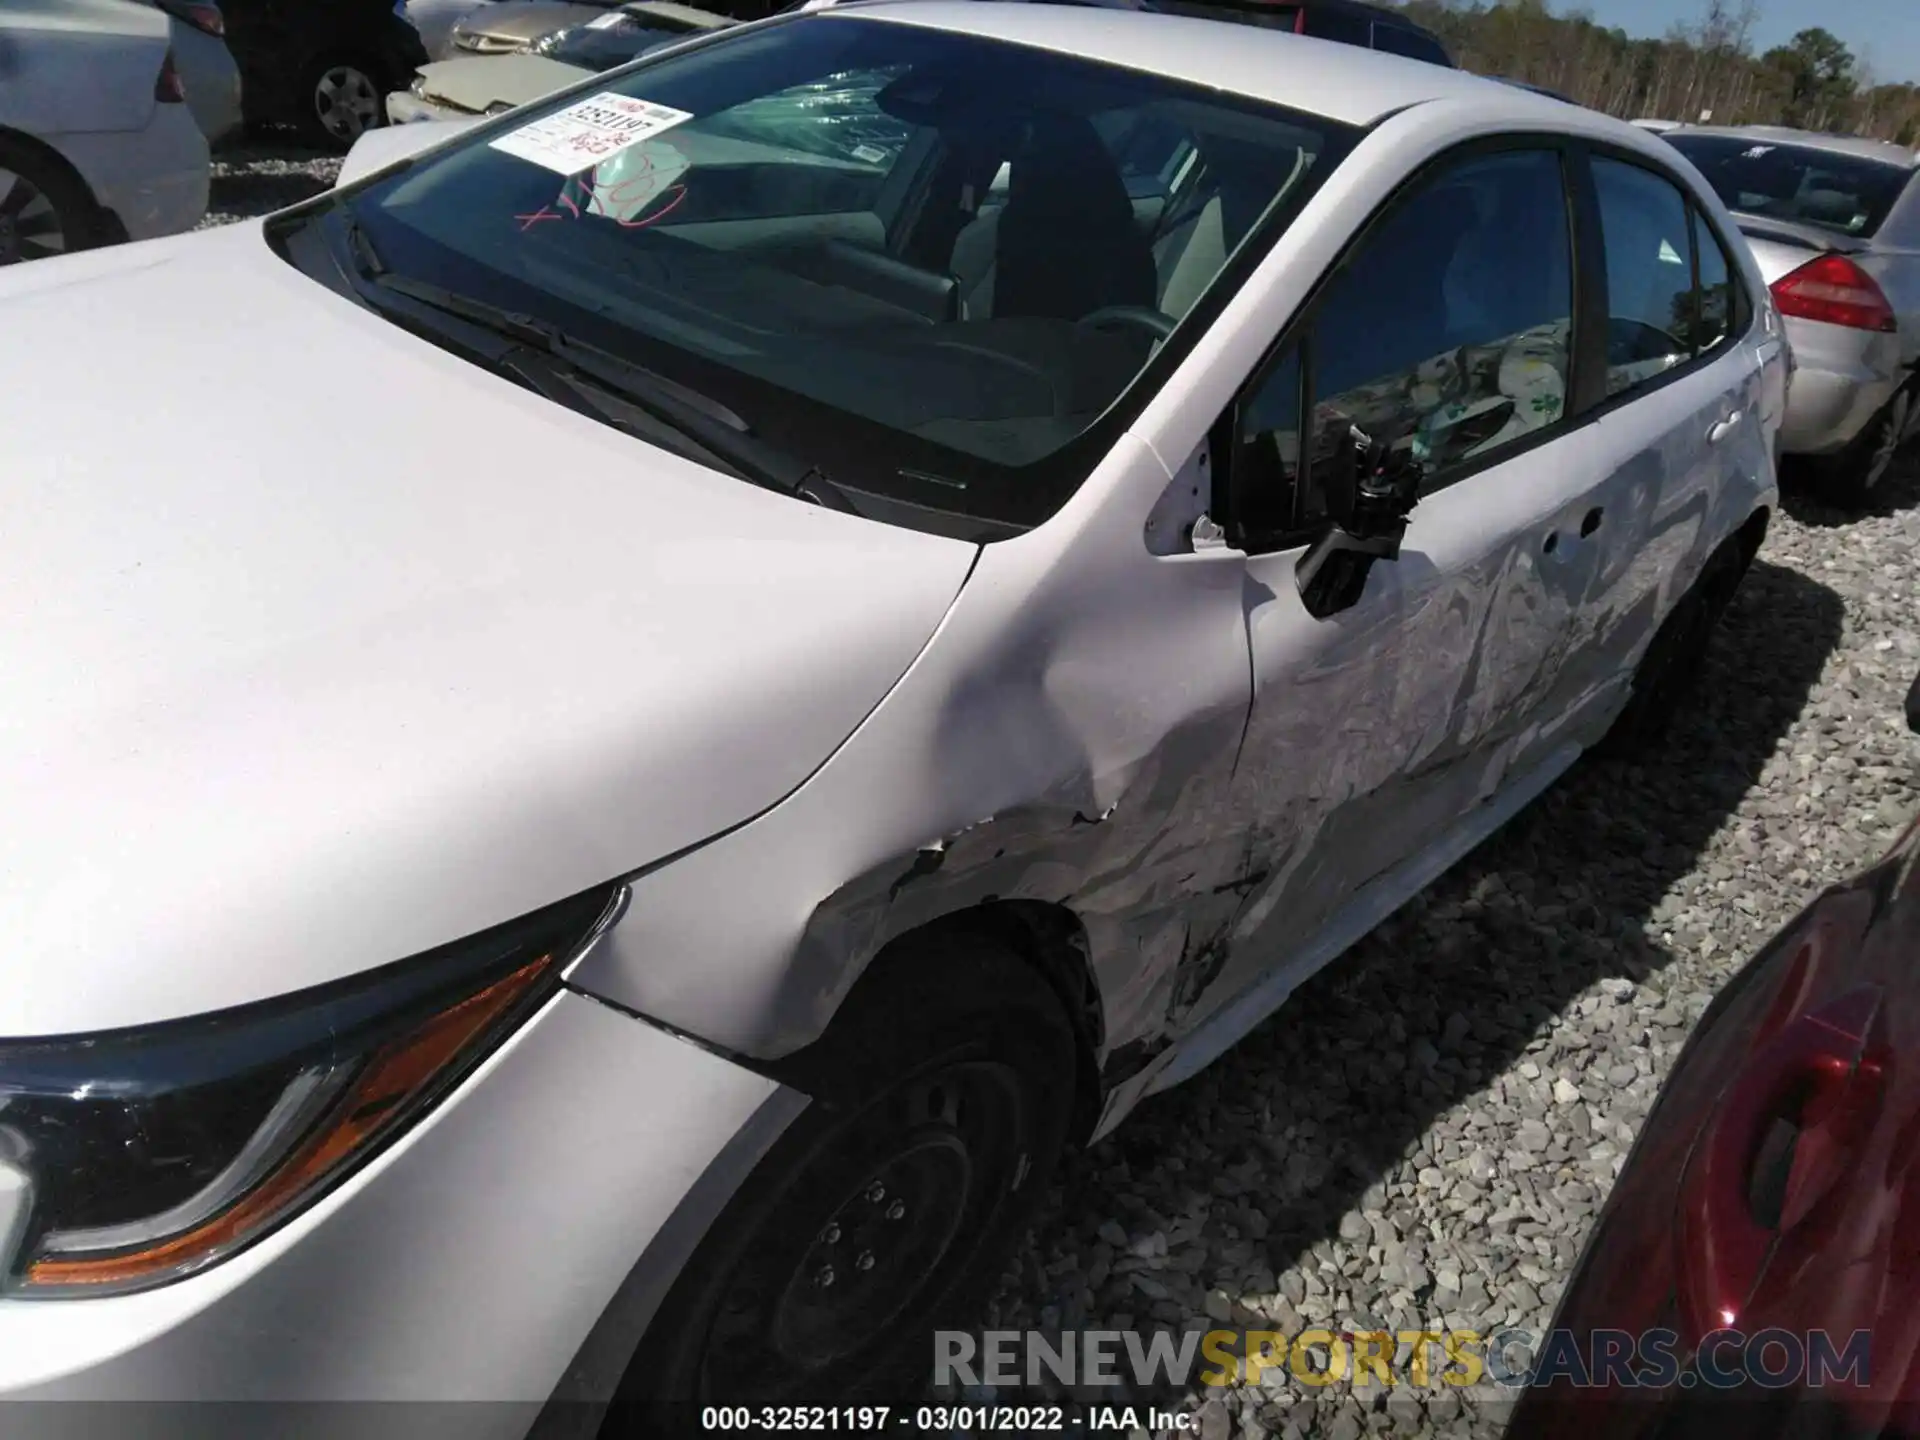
[
  {"x": 615, "y": 38},
  {"x": 927, "y": 261},
  {"x": 1797, "y": 183}
]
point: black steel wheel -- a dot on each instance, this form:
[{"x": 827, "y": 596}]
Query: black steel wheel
[{"x": 869, "y": 1225}]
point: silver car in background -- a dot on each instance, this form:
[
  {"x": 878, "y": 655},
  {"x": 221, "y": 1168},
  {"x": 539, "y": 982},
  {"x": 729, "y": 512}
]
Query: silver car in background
[
  {"x": 1835, "y": 223},
  {"x": 207, "y": 68},
  {"x": 96, "y": 141}
]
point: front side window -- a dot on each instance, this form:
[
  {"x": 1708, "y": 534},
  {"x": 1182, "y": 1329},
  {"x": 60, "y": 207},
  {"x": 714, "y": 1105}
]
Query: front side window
[
  {"x": 800, "y": 223},
  {"x": 1446, "y": 336},
  {"x": 1800, "y": 184}
]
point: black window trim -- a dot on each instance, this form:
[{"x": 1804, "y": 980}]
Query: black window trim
[
  {"x": 1587, "y": 398},
  {"x": 1743, "y": 308},
  {"x": 1583, "y": 380}
]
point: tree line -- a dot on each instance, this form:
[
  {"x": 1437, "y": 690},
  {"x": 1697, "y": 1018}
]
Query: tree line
[{"x": 1708, "y": 68}]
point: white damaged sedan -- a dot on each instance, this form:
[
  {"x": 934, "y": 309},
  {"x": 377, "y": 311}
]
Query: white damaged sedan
[{"x": 761, "y": 645}]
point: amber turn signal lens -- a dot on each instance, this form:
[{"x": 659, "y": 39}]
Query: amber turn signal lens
[{"x": 392, "y": 1079}]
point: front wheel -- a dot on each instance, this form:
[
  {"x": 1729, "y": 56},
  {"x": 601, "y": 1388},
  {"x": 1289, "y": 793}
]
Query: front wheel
[
  {"x": 871, "y": 1224},
  {"x": 342, "y": 97}
]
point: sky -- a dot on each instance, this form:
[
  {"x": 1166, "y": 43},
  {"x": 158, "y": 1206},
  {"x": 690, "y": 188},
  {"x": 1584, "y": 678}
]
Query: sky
[{"x": 1884, "y": 33}]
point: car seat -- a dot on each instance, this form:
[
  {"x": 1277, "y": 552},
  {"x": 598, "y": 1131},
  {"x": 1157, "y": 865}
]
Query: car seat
[{"x": 1065, "y": 243}]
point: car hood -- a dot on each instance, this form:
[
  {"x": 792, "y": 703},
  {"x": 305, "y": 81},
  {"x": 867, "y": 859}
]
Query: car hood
[
  {"x": 321, "y": 647},
  {"x": 475, "y": 82},
  {"x": 512, "y": 21}
]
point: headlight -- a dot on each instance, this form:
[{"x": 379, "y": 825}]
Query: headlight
[
  {"x": 132, "y": 1158},
  {"x": 488, "y": 44}
]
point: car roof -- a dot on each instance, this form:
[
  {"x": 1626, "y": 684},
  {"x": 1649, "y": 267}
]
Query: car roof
[
  {"x": 1856, "y": 145},
  {"x": 1346, "y": 83}
]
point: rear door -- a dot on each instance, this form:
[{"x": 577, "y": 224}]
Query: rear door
[
  {"x": 1680, "y": 431},
  {"x": 1375, "y": 731}
]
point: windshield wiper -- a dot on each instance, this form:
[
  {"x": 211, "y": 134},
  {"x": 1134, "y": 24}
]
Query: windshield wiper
[{"x": 596, "y": 382}]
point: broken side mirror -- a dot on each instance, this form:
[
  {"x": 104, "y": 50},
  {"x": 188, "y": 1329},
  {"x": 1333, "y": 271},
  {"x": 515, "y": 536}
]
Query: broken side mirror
[
  {"x": 1913, "y": 706},
  {"x": 1370, "y": 490}
]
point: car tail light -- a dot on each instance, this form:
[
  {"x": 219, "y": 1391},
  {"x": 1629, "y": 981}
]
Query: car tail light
[
  {"x": 169, "y": 88},
  {"x": 1786, "y": 1133},
  {"x": 203, "y": 15},
  {"x": 1835, "y": 291}
]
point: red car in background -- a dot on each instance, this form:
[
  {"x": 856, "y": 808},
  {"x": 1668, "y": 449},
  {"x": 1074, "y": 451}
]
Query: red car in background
[{"x": 1765, "y": 1232}]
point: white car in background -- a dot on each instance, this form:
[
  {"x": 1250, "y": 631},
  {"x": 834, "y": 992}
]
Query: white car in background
[
  {"x": 799, "y": 683},
  {"x": 96, "y": 140}
]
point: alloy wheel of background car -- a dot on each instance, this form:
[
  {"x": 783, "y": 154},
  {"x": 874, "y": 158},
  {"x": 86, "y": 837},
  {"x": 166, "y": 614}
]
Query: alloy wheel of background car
[
  {"x": 1850, "y": 477},
  {"x": 1889, "y": 431},
  {"x": 345, "y": 102},
  {"x": 867, "y": 1227},
  {"x": 43, "y": 212}
]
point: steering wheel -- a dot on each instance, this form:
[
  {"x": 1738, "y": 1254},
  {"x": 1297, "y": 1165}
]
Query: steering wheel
[
  {"x": 1629, "y": 341},
  {"x": 1156, "y": 323}
]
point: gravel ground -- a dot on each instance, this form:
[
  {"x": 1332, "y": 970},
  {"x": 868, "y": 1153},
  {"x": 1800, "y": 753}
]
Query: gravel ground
[
  {"x": 1423, "y": 1137},
  {"x": 262, "y": 176}
]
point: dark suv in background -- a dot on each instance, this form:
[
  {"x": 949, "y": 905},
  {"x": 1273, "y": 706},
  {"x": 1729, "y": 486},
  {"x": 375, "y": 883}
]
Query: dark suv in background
[
  {"x": 322, "y": 65},
  {"x": 1372, "y": 27}
]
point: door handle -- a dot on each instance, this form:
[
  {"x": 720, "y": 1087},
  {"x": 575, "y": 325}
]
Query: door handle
[{"x": 1723, "y": 428}]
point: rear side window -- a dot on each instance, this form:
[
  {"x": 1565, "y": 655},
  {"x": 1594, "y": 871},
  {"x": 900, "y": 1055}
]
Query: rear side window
[
  {"x": 1800, "y": 184},
  {"x": 1445, "y": 335},
  {"x": 1716, "y": 310},
  {"x": 1673, "y": 293},
  {"x": 1645, "y": 223},
  {"x": 1395, "y": 40}
]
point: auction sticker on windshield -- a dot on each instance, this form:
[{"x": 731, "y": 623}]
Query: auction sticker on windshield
[{"x": 587, "y": 133}]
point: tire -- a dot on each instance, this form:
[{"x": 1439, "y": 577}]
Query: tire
[
  {"x": 341, "y": 97},
  {"x": 1673, "y": 659},
  {"x": 44, "y": 209},
  {"x": 1851, "y": 477},
  {"x": 870, "y": 1224}
]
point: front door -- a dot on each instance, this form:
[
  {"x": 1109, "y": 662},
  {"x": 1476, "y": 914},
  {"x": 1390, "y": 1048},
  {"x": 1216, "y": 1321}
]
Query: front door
[{"x": 1375, "y": 731}]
